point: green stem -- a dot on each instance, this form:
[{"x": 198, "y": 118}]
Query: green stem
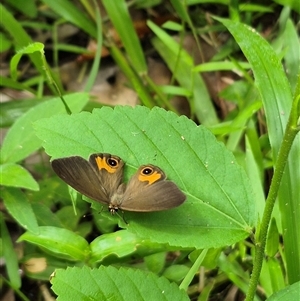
[{"x": 261, "y": 236}]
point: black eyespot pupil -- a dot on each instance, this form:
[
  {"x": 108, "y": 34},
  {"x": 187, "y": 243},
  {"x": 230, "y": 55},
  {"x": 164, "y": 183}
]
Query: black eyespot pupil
[
  {"x": 112, "y": 162},
  {"x": 147, "y": 171}
]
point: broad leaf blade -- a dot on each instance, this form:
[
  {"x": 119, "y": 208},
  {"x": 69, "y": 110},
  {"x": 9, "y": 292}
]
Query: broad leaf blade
[
  {"x": 219, "y": 208},
  {"x": 109, "y": 283}
]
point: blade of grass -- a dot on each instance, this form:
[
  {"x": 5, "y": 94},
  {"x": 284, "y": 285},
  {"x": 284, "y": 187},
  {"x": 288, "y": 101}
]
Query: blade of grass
[
  {"x": 291, "y": 57},
  {"x": 73, "y": 14},
  {"x": 183, "y": 70},
  {"x": 193, "y": 270},
  {"x": 119, "y": 15},
  {"x": 11, "y": 260},
  {"x": 96, "y": 63},
  {"x": 281, "y": 113},
  {"x": 135, "y": 80}
]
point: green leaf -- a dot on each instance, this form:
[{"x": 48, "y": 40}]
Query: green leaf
[
  {"x": 20, "y": 141},
  {"x": 10, "y": 256},
  {"x": 276, "y": 275},
  {"x": 14, "y": 109},
  {"x": 29, "y": 49},
  {"x": 181, "y": 64},
  {"x": 5, "y": 44},
  {"x": 110, "y": 283},
  {"x": 62, "y": 242},
  {"x": 176, "y": 272},
  {"x": 70, "y": 12},
  {"x": 277, "y": 100},
  {"x": 123, "y": 243},
  {"x": 20, "y": 37},
  {"x": 19, "y": 207},
  {"x": 294, "y": 4},
  {"x": 29, "y": 7},
  {"x": 291, "y": 42},
  {"x": 235, "y": 272},
  {"x": 119, "y": 16},
  {"x": 17, "y": 176},
  {"x": 269, "y": 78},
  {"x": 219, "y": 206},
  {"x": 45, "y": 216},
  {"x": 272, "y": 239},
  {"x": 156, "y": 262},
  {"x": 290, "y": 292}
]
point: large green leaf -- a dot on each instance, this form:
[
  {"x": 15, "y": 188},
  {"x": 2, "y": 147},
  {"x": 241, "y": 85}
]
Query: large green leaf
[
  {"x": 276, "y": 95},
  {"x": 110, "y": 283},
  {"x": 219, "y": 209}
]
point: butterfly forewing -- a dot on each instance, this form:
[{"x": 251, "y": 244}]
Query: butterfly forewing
[
  {"x": 110, "y": 176},
  {"x": 79, "y": 174}
]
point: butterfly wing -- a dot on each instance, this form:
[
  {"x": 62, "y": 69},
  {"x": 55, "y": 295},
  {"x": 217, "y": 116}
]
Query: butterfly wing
[
  {"x": 109, "y": 169},
  {"x": 85, "y": 176},
  {"x": 150, "y": 191}
]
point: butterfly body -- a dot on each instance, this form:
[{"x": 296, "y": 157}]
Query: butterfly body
[{"x": 101, "y": 178}]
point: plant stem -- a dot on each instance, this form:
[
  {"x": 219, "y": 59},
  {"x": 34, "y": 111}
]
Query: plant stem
[{"x": 261, "y": 235}]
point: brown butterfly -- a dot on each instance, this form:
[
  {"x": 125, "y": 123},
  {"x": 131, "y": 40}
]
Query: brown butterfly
[{"x": 101, "y": 179}]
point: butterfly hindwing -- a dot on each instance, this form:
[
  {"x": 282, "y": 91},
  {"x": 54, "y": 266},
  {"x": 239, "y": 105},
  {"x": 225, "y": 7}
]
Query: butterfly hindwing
[{"x": 150, "y": 191}]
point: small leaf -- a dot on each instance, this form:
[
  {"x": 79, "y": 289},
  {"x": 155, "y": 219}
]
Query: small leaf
[
  {"x": 176, "y": 272},
  {"x": 10, "y": 256},
  {"x": 123, "y": 243},
  {"x": 62, "y": 242},
  {"x": 17, "y": 176},
  {"x": 19, "y": 207},
  {"x": 20, "y": 141},
  {"x": 110, "y": 283}
]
